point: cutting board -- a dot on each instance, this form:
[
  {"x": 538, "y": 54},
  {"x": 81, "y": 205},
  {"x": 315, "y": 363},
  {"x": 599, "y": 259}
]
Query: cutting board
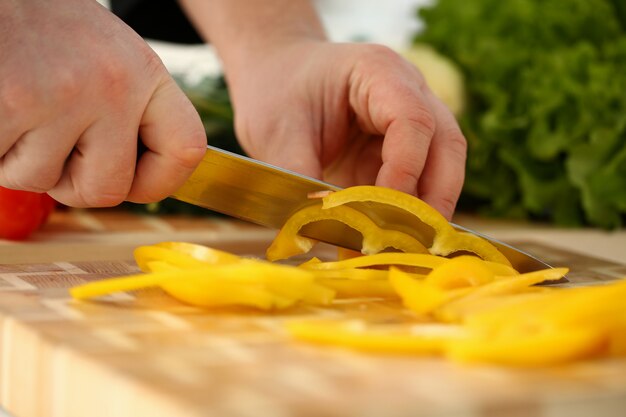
[{"x": 144, "y": 354}]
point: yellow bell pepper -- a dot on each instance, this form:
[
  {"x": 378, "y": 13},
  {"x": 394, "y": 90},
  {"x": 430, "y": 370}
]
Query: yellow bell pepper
[
  {"x": 200, "y": 252},
  {"x": 483, "y": 295},
  {"x": 351, "y": 288},
  {"x": 464, "y": 271},
  {"x": 419, "y": 296},
  {"x": 483, "y": 310},
  {"x": 394, "y": 210},
  {"x": 245, "y": 282},
  {"x": 379, "y": 259},
  {"x": 599, "y": 306},
  {"x": 182, "y": 255},
  {"x": 528, "y": 348},
  {"x": 547, "y": 327},
  {"x": 289, "y": 243},
  {"x": 356, "y": 334},
  {"x": 145, "y": 255}
]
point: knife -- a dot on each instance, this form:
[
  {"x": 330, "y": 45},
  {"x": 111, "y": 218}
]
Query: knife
[{"x": 267, "y": 195}]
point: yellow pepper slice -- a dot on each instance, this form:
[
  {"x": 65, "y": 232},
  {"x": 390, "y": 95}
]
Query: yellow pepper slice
[
  {"x": 144, "y": 255},
  {"x": 458, "y": 308},
  {"x": 386, "y": 258},
  {"x": 121, "y": 284},
  {"x": 528, "y": 348},
  {"x": 598, "y": 306},
  {"x": 289, "y": 243},
  {"x": 464, "y": 271},
  {"x": 200, "y": 252},
  {"x": 420, "y": 296},
  {"x": 394, "y": 210},
  {"x": 200, "y": 292},
  {"x": 255, "y": 283},
  {"x": 548, "y": 327},
  {"x": 617, "y": 341},
  {"x": 357, "y": 335},
  {"x": 467, "y": 242},
  {"x": 351, "y": 288}
]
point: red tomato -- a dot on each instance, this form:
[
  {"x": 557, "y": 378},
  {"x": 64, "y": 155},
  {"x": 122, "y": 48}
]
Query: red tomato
[{"x": 23, "y": 212}]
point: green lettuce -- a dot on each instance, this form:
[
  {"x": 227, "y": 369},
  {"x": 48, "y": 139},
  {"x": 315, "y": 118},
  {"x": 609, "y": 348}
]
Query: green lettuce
[{"x": 546, "y": 117}]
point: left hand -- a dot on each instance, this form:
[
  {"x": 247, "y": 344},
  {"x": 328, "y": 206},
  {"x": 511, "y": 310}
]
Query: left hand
[
  {"x": 349, "y": 114},
  {"x": 346, "y": 113}
]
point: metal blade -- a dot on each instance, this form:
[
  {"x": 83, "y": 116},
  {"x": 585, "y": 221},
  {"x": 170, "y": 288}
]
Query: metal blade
[
  {"x": 268, "y": 195},
  {"x": 248, "y": 189}
]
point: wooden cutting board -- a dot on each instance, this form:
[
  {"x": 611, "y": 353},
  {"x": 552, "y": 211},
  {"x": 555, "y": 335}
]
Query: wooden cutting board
[{"x": 145, "y": 354}]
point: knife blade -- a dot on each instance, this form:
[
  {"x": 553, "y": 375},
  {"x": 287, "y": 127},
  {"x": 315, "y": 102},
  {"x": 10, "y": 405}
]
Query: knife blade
[{"x": 267, "y": 195}]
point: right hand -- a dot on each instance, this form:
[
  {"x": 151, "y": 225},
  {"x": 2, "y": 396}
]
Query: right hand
[{"x": 77, "y": 89}]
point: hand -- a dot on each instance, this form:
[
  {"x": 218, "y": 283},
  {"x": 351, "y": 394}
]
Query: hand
[
  {"x": 349, "y": 114},
  {"x": 77, "y": 88}
]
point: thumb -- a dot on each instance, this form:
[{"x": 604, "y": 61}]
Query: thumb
[{"x": 175, "y": 139}]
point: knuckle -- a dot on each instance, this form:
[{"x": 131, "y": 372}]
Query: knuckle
[
  {"x": 114, "y": 78},
  {"x": 381, "y": 53},
  {"x": 100, "y": 197},
  {"x": 447, "y": 204},
  {"x": 189, "y": 156},
  {"x": 424, "y": 121},
  {"x": 102, "y": 192},
  {"x": 457, "y": 144},
  {"x": 152, "y": 62},
  {"x": 68, "y": 83}
]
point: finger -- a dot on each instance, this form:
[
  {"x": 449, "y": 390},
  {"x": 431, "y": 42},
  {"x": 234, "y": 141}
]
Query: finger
[
  {"x": 442, "y": 178},
  {"x": 35, "y": 161},
  {"x": 175, "y": 139},
  {"x": 99, "y": 171},
  {"x": 406, "y": 144}
]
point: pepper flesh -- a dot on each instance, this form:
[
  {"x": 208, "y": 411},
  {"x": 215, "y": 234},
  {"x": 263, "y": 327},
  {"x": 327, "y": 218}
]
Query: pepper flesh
[
  {"x": 482, "y": 307},
  {"x": 188, "y": 274},
  {"x": 289, "y": 243},
  {"x": 358, "y": 335},
  {"x": 394, "y": 210}
]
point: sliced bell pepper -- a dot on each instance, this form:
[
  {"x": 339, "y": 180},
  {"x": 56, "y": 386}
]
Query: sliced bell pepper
[
  {"x": 351, "y": 288},
  {"x": 245, "y": 282},
  {"x": 145, "y": 255},
  {"x": 464, "y": 271},
  {"x": 200, "y": 252},
  {"x": 358, "y": 335},
  {"x": 394, "y": 210},
  {"x": 289, "y": 243},
  {"x": 457, "y": 309},
  {"x": 528, "y": 348},
  {"x": 387, "y": 258},
  {"x": 420, "y": 296}
]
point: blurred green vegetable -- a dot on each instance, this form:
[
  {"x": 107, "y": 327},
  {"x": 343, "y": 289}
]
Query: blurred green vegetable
[{"x": 546, "y": 111}]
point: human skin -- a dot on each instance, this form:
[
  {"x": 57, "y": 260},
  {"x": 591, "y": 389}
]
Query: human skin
[
  {"x": 346, "y": 113},
  {"x": 77, "y": 88}
]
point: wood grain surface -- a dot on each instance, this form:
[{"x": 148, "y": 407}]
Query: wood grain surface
[{"x": 144, "y": 354}]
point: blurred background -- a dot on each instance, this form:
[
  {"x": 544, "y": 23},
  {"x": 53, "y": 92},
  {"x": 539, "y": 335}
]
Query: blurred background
[{"x": 538, "y": 86}]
